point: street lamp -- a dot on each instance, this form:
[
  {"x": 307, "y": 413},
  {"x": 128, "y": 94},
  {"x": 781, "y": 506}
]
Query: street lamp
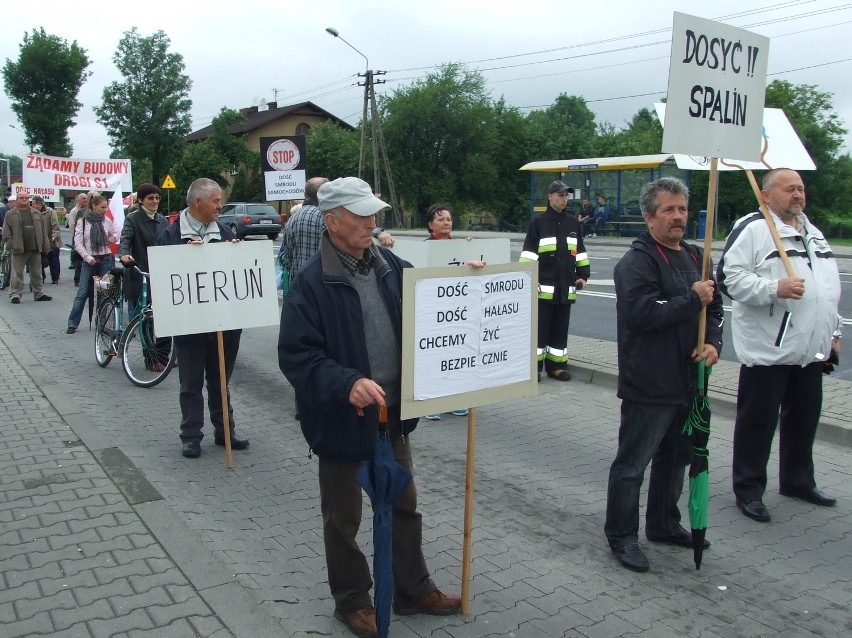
[
  {"x": 336, "y": 34},
  {"x": 8, "y": 172},
  {"x": 378, "y": 139}
]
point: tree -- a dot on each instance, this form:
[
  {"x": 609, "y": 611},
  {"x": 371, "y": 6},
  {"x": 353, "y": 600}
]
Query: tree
[
  {"x": 218, "y": 156},
  {"x": 148, "y": 113},
  {"x": 43, "y": 86},
  {"x": 447, "y": 142},
  {"x": 811, "y": 112},
  {"x": 564, "y": 130},
  {"x": 333, "y": 151}
]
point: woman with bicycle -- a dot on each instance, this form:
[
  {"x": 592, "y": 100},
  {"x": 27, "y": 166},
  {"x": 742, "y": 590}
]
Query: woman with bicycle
[
  {"x": 141, "y": 229},
  {"x": 93, "y": 235}
]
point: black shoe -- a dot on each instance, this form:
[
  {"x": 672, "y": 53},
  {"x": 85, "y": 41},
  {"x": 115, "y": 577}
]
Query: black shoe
[
  {"x": 560, "y": 375},
  {"x": 71, "y": 330},
  {"x": 811, "y": 495},
  {"x": 15, "y": 300},
  {"x": 237, "y": 443},
  {"x": 679, "y": 537},
  {"x": 631, "y": 557},
  {"x": 44, "y": 298},
  {"x": 191, "y": 449},
  {"x": 755, "y": 510}
]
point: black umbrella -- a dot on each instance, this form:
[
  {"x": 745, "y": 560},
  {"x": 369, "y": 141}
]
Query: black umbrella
[
  {"x": 697, "y": 428},
  {"x": 384, "y": 481}
]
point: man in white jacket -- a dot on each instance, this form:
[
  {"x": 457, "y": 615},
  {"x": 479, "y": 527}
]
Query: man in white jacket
[{"x": 784, "y": 330}]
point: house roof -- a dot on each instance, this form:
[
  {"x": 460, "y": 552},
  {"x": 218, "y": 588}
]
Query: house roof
[{"x": 256, "y": 119}]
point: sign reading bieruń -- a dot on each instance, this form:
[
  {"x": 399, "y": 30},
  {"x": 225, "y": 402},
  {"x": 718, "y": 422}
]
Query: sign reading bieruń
[
  {"x": 77, "y": 174},
  {"x": 470, "y": 332},
  {"x": 717, "y": 88},
  {"x": 211, "y": 287}
]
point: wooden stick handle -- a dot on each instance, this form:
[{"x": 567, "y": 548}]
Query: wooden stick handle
[
  {"x": 468, "y": 509},
  {"x": 776, "y": 238},
  {"x": 712, "y": 187},
  {"x": 223, "y": 389}
]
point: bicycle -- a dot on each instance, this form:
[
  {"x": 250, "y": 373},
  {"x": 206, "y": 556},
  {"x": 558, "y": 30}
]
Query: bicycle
[
  {"x": 146, "y": 358},
  {"x": 5, "y": 265}
]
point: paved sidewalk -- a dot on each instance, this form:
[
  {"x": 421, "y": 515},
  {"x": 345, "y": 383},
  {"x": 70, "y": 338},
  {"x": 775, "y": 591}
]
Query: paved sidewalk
[
  {"x": 80, "y": 532},
  {"x": 105, "y": 530}
]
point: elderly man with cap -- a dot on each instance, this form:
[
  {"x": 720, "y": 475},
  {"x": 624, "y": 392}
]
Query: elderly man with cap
[
  {"x": 141, "y": 229},
  {"x": 554, "y": 240},
  {"x": 340, "y": 346}
]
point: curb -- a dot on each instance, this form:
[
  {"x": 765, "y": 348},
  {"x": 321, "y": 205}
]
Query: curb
[{"x": 723, "y": 403}]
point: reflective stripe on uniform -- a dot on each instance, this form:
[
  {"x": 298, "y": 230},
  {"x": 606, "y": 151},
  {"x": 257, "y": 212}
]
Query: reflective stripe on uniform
[
  {"x": 528, "y": 256},
  {"x": 545, "y": 292},
  {"x": 539, "y": 354},
  {"x": 547, "y": 245},
  {"x": 557, "y": 355}
]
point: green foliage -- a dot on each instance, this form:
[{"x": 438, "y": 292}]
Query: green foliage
[
  {"x": 812, "y": 115},
  {"x": 43, "y": 86},
  {"x": 248, "y": 183},
  {"x": 448, "y": 142},
  {"x": 565, "y": 129},
  {"x": 148, "y": 113},
  {"x": 333, "y": 151}
]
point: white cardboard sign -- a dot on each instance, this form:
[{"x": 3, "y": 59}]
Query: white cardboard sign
[
  {"x": 209, "y": 287},
  {"x": 717, "y": 89},
  {"x": 453, "y": 252},
  {"x": 468, "y": 336},
  {"x": 783, "y": 147}
]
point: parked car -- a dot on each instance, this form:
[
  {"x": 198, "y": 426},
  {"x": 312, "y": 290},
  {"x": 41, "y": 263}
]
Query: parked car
[{"x": 246, "y": 218}]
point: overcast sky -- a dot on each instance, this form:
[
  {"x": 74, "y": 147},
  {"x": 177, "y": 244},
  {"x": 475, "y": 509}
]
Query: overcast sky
[{"x": 614, "y": 53}]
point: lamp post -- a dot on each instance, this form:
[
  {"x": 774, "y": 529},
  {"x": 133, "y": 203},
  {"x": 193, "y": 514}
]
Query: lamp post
[
  {"x": 378, "y": 140},
  {"x": 8, "y": 174},
  {"x": 368, "y": 82}
]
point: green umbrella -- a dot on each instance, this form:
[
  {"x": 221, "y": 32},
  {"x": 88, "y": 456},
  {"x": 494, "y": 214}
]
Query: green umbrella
[{"x": 697, "y": 428}]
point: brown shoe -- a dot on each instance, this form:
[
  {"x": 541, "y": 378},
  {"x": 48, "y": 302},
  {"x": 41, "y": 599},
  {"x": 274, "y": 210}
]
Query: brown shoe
[
  {"x": 435, "y": 604},
  {"x": 361, "y": 622}
]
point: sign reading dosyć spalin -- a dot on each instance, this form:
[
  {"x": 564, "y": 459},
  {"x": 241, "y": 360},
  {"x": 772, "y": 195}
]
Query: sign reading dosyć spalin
[{"x": 717, "y": 87}]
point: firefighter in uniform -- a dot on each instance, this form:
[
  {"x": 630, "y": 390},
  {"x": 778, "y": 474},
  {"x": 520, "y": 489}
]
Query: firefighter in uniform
[{"x": 554, "y": 240}]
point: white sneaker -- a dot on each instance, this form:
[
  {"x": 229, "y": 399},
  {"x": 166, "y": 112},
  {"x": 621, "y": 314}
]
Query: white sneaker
[{"x": 433, "y": 417}]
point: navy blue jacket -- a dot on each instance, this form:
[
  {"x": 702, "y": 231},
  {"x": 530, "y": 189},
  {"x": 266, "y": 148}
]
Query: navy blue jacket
[{"x": 322, "y": 350}]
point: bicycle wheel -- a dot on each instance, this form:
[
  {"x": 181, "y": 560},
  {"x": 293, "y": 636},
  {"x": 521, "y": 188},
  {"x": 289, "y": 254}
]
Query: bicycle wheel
[
  {"x": 147, "y": 359},
  {"x": 5, "y": 271},
  {"x": 106, "y": 332}
]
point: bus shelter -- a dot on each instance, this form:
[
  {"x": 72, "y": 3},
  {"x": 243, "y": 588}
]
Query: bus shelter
[{"x": 620, "y": 179}]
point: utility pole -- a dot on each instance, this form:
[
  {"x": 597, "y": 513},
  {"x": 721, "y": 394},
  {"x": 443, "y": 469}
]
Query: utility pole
[{"x": 377, "y": 136}]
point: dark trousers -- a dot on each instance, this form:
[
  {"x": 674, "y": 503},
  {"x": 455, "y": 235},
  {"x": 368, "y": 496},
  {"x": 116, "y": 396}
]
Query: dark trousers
[
  {"x": 648, "y": 432},
  {"x": 199, "y": 359},
  {"x": 340, "y": 499},
  {"x": 53, "y": 264},
  {"x": 553, "y": 321},
  {"x": 764, "y": 391}
]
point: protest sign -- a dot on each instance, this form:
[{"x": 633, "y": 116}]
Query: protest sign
[
  {"x": 452, "y": 252},
  {"x": 716, "y": 92},
  {"x": 284, "y": 161},
  {"x": 212, "y": 287},
  {"x": 77, "y": 174},
  {"x": 468, "y": 336}
]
